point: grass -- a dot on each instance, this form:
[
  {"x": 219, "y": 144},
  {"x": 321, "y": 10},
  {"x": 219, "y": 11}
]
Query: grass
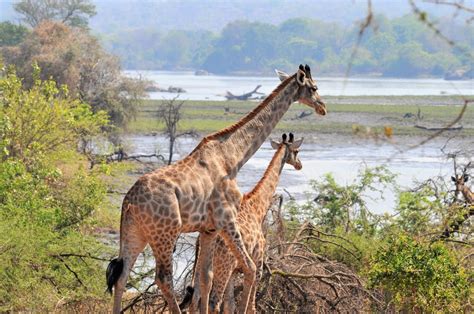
[{"x": 345, "y": 113}]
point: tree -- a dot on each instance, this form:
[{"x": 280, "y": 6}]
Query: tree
[
  {"x": 11, "y": 34},
  {"x": 170, "y": 114},
  {"x": 71, "y": 12},
  {"x": 43, "y": 119},
  {"x": 46, "y": 198},
  {"x": 74, "y": 58}
]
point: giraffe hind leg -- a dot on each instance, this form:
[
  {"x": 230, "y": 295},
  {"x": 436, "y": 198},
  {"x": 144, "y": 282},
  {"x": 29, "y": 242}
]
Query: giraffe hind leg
[
  {"x": 132, "y": 244},
  {"x": 163, "y": 252}
]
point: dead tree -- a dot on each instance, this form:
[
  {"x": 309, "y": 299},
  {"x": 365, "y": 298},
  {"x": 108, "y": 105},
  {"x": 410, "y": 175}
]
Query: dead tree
[
  {"x": 170, "y": 113},
  {"x": 246, "y": 96}
]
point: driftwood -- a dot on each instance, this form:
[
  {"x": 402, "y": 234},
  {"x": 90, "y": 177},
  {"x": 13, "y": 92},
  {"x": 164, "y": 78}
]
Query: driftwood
[
  {"x": 119, "y": 156},
  {"x": 246, "y": 96},
  {"x": 303, "y": 114},
  {"x": 454, "y": 128}
]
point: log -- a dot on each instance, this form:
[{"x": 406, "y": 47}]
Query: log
[
  {"x": 246, "y": 96},
  {"x": 454, "y": 128}
]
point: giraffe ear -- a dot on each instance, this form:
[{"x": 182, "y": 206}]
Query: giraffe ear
[
  {"x": 466, "y": 177},
  {"x": 297, "y": 143},
  {"x": 300, "y": 77},
  {"x": 274, "y": 144},
  {"x": 281, "y": 75},
  {"x": 453, "y": 179}
]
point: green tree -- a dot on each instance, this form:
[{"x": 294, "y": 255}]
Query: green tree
[
  {"x": 74, "y": 58},
  {"x": 70, "y": 12},
  {"x": 421, "y": 277},
  {"x": 47, "y": 198},
  {"x": 43, "y": 120},
  {"x": 11, "y": 34}
]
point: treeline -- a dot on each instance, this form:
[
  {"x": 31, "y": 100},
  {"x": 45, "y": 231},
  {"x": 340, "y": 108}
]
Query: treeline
[{"x": 400, "y": 47}]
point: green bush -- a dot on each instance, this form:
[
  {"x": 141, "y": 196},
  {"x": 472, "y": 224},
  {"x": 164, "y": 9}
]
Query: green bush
[
  {"x": 420, "y": 277},
  {"x": 46, "y": 198}
]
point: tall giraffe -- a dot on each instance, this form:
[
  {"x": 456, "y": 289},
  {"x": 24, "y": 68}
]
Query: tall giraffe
[
  {"x": 253, "y": 210},
  {"x": 199, "y": 193}
]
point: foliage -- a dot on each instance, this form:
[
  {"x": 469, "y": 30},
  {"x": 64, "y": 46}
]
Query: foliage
[
  {"x": 70, "y": 12},
  {"x": 47, "y": 198},
  {"x": 42, "y": 120},
  {"x": 402, "y": 47},
  {"x": 420, "y": 209},
  {"x": 421, "y": 277},
  {"x": 11, "y": 34},
  {"x": 336, "y": 206},
  {"x": 74, "y": 58}
]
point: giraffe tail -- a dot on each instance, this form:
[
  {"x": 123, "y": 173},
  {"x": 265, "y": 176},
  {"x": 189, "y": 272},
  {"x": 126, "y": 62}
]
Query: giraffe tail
[
  {"x": 113, "y": 272},
  {"x": 187, "y": 298}
]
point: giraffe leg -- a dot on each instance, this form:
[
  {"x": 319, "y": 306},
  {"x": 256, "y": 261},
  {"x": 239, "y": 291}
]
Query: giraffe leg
[
  {"x": 251, "y": 308},
  {"x": 195, "y": 281},
  {"x": 205, "y": 265},
  {"x": 132, "y": 244},
  {"x": 163, "y": 252},
  {"x": 223, "y": 265},
  {"x": 233, "y": 239},
  {"x": 229, "y": 297}
]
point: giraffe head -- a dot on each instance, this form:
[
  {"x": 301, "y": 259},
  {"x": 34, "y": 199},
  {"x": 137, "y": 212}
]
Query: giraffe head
[
  {"x": 307, "y": 93},
  {"x": 291, "y": 149},
  {"x": 460, "y": 180}
]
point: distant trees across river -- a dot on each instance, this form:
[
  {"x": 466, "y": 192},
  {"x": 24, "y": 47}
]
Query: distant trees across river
[{"x": 399, "y": 47}]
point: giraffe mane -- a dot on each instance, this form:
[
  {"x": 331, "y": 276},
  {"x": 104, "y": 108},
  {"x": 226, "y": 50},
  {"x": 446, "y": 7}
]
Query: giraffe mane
[{"x": 248, "y": 117}]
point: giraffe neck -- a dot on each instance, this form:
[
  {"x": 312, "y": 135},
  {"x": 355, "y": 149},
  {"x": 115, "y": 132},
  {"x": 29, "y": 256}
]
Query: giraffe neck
[
  {"x": 262, "y": 193},
  {"x": 237, "y": 143}
]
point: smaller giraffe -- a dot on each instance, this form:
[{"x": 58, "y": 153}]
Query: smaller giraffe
[{"x": 253, "y": 210}]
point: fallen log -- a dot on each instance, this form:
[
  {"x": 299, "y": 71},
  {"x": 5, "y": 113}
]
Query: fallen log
[
  {"x": 246, "y": 96},
  {"x": 454, "y": 128}
]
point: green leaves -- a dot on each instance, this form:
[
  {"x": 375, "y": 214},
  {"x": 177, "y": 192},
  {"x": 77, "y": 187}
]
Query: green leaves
[
  {"x": 41, "y": 121},
  {"x": 47, "y": 198},
  {"x": 421, "y": 276}
]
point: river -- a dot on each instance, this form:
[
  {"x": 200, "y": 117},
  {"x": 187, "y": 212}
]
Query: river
[
  {"x": 343, "y": 160},
  {"x": 213, "y": 87}
]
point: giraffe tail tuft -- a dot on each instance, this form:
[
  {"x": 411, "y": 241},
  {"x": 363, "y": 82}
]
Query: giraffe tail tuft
[
  {"x": 113, "y": 272},
  {"x": 187, "y": 298}
]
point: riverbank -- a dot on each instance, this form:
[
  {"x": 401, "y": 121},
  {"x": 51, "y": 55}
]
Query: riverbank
[{"x": 364, "y": 116}]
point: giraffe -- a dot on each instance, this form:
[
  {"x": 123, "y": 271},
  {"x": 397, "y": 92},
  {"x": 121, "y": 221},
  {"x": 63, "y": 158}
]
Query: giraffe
[
  {"x": 250, "y": 217},
  {"x": 199, "y": 193}
]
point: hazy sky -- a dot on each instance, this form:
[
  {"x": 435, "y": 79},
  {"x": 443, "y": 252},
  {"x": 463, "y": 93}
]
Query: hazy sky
[{"x": 215, "y": 14}]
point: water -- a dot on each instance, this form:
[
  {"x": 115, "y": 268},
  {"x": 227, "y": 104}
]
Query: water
[
  {"x": 343, "y": 160},
  {"x": 213, "y": 87}
]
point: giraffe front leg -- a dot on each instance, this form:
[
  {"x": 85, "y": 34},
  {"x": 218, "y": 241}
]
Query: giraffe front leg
[
  {"x": 233, "y": 239},
  {"x": 251, "y": 308},
  {"x": 229, "y": 296},
  {"x": 205, "y": 268}
]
